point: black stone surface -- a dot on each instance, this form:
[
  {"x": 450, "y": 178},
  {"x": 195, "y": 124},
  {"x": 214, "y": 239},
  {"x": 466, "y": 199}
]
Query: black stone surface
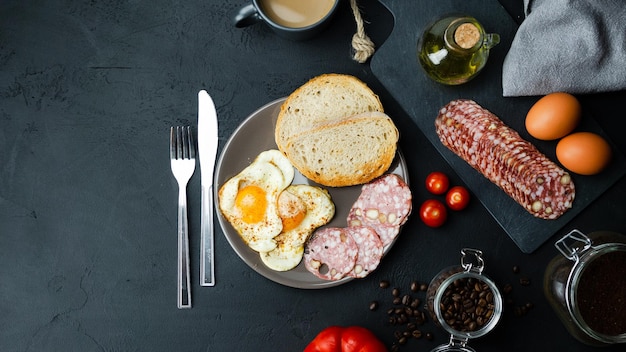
[
  {"x": 422, "y": 98},
  {"x": 88, "y": 91}
]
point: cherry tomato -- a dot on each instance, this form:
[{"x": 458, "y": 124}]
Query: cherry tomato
[
  {"x": 433, "y": 213},
  {"x": 437, "y": 182},
  {"x": 457, "y": 198}
]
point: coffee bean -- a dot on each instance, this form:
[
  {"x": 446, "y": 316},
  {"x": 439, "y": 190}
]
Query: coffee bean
[
  {"x": 383, "y": 284},
  {"x": 416, "y": 334},
  {"x": 415, "y": 303},
  {"x": 373, "y": 305},
  {"x": 415, "y": 286},
  {"x": 423, "y": 287},
  {"x": 395, "y": 292},
  {"x": 406, "y": 300},
  {"x": 524, "y": 310},
  {"x": 429, "y": 336},
  {"x": 508, "y": 288},
  {"x": 524, "y": 281},
  {"x": 515, "y": 269},
  {"x": 463, "y": 301}
]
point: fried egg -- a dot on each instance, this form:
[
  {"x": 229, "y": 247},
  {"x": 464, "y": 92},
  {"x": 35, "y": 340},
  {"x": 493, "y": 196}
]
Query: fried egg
[
  {"x": 303, "y": 209},
  {"x": 249, "y": 199}
]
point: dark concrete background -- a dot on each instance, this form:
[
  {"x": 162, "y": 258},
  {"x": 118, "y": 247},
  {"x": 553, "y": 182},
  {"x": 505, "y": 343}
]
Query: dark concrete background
[{"x": 88, "y": 91}]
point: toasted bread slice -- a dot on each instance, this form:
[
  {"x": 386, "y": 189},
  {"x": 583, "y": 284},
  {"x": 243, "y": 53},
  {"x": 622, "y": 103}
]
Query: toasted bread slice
[
  {"x": 323, "y": 99},
  {"x": 347, "y": 152}
]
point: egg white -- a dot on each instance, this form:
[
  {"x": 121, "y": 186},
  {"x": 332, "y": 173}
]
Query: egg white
[
  {"x": 289, "y": 249},
  {"x": 272, "y": 172}
]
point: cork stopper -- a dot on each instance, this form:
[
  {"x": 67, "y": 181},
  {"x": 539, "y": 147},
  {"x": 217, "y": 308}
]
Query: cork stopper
[{"x": 466, "y": 35}]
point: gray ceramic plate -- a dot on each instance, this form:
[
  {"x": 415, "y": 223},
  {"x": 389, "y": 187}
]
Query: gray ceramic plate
[{"x": 253, "y": 136}]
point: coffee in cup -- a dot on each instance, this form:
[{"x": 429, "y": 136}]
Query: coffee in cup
[
  {"x": 296, "y": 13},
  {"x": 292, "y": 19}
]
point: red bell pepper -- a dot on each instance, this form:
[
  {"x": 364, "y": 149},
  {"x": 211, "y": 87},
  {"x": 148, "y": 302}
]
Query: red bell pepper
[{"x": 345, "y": 339}]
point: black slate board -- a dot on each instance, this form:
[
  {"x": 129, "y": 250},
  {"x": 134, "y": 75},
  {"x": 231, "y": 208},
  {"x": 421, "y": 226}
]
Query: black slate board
[{"x": 395, "y": 65}]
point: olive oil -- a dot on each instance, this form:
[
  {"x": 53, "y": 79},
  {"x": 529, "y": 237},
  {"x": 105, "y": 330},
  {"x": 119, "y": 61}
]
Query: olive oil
[{"x": 455, "y": 49}]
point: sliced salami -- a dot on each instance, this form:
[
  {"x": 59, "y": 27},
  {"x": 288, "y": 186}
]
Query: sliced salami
[
  {"x": 386, "y": 232},
  {"x": 330, "y": 253},
  {"x": 370, "y": 250},
  {"x": 499, "y": 153},
  {"x": 384, "y": 205}
]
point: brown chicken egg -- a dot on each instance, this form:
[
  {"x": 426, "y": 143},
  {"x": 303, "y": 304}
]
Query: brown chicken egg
[
  {"x": 553, "y": 116},
  {"x": 584, "y": 153}
]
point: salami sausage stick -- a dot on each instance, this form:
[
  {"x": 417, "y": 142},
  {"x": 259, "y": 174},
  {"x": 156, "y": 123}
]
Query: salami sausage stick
[{"x": 499, "y": 153}]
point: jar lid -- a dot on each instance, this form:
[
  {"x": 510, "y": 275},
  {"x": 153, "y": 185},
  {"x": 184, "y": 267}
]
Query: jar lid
[{"x": 452, "y": 348}]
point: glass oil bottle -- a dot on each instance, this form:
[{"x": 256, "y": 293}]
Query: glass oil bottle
[{"x": 455, "y": 49}]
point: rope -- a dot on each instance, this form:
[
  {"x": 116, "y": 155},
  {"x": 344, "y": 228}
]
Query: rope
[{"x": 361, "y": 44}]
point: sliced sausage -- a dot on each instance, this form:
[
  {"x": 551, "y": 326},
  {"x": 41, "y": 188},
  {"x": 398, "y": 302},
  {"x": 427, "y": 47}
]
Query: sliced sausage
[
  {"x": 384, "y": 205},
  {"x": 499, "y": 153},
  {"x": 330, "y": 253},
  {"x": 370, "y": 250}
]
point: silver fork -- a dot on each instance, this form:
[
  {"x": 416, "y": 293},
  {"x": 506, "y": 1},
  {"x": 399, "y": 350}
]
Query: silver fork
[{"x": 183, "y": 160}]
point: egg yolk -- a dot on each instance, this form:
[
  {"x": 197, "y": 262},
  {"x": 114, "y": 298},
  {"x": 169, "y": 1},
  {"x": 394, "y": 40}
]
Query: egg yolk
[
  {"x": 291, "y": 210},
  {"x": 252, "y": 202}
]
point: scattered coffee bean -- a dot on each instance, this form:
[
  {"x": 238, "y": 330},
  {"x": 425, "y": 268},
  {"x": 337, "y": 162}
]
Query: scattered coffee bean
[
  {"x": 416, "y": 334},
  {"x": 423, "y": 287},
  {"x": 429, "y": 336},
  {"x": 518, "y": 310},
  {"x": 405, "y": 314},
  {"x": 406, "y": 300},
  {"x": 415, "y": 303}
]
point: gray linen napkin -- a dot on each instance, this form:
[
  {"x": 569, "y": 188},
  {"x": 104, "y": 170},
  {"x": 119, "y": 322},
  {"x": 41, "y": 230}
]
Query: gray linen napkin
[{"x": 573, "y": 46}]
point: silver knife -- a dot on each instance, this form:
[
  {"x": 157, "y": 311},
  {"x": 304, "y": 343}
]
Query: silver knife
[{"x": 207, "y": 151}]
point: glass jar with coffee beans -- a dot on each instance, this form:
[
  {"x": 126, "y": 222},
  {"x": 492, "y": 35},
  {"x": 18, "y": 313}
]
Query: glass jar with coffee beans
[
  {"x": 586, "y": 286},
  {"x": 463, "y": 301}
]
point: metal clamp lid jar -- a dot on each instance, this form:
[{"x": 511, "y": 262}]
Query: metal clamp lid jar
[
  {"x": 586, "y": 286},
  {"x": 464, "y": 302}
]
